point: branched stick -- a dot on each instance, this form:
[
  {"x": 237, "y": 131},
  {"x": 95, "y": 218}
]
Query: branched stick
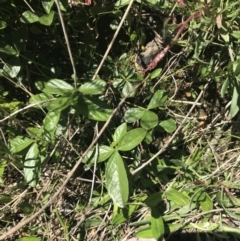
[{"x": 113, "y": 39}]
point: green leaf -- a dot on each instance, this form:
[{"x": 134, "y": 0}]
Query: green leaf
[
  {"x": 168, "y": 125},
  {"x": 177, "y": 197},
  {"x": 50, "y": 124},
  {"x": 94, "y": 87},
  {"x": 47, "y": 19},
  {"x": 11, "y": 106},
  {"x": 54, "y": 86},
  {"x": 117, "y": 82},
  {"x": 131, "y": 139},
  {"x": 62, "y": 103},
  {"x": 12, "y": 67},
  {"x": 133, "y": 114},
  {"x": 47, "y": 5},
  {"x": 157, "y": 100},
  {"x": 186, "y": 209},
  {"x": 31, "y": 163},
  {"x": 104, "y": 152},
  {"x": 205, "y": 226},
  {"x": 4, "y": 198},
  {"x": 95, "y": 109},
  {"x": 155, "y": 73},
  {"x": 116, "y": 180},
  {"x": 39, "y": 98},
  {"x": 236, "y": 34},
  {"x": 157, "y": 224},
  {"x": 3, "y": 24},
  {"x": 121, "y": 3},
  {"x": 227, "y": 200},
  {"x": 153, "y": 200},
  {"x": 29, "y": 238},
  {"x": 206, "y": 204},
  {"x": 3, "y": 164},
  {"x": 19, "y": 143},
  {"x": 7, "y": 49},
  {"x": 149, "y": 120},
  {"x": 235, "y": 101},
  {"x": 26, "y": 207},
  {"x": 145, "y": 232},
  {"x": 119, "y": 132},
  {"x": 122, "y": 214},
  {"x": 35, "y": 132},
  {"x": 29, "y": 17},
  {"x": 224, "y": 87},
  {"x": 127, "y": 88},
  {"x": 63, "y": 5}
]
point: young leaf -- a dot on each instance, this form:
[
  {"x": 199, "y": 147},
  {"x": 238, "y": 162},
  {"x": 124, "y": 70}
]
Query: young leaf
[
  {"x": 8, "y": 50},
  {"x": 149, "y": 120},
  {"x": 104, "y": 152},
  {"x": 168, "y": 125},
  {"x": 61, "y": 103},
  {"x": 131, "y": 139},
  {"x": 50, "y": 124},
  {"x": 47, "y": 19},
  {"x": 95, "y": 109},
  {"x": 119, "y": 132},
  {"x": 41, "y": 99},
  {"x": 54, "y": 86},
  {"x": 116, "y": 180},
  {"x": 133, "y": 114},
  {"x": 177, "y": 197},
  {"x": 205, "y": 226},
  {"x": 93, "y": 88},
  {"x": 153, "y": 200},
  {"x": 157, "y": 224},
  {"x": 235, "y": 101},
  {"x": 144, "y": 234},
  {"x": 29, "y": 17},
  {"x": 122, "y": 214},
  {"x": 157, "y": 100},
  {"x": 155, "y": 73},
  {"x": 29, "y": 238},
  {"x": 127, "y": 88},
  {"x": 31, "y": 172},
  {"x": 19, "y": 143},
  {"x": 12, "y": 67},
  {"x": 47, "y": 5},
  {"x": 224, "y": 87},
  {"x": 3, "y": 24},
  {"x": 206, "y": 204}
]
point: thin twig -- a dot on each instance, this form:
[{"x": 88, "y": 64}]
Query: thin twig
[
  {"x": 67, "y": 43},
  {"x": 95, "y": 166},
  {"x": 113, "y": 39},
  {"x": 25, "y": 108},
  {"x": 186, "y": 102},
  {"x": 173, "y": 136}
]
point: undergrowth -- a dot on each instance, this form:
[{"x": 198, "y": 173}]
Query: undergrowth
[{"x": 96, "y": 147}]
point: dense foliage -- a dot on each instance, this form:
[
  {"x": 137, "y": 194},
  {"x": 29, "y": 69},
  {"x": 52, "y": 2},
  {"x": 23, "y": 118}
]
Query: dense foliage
[{"x": 104, "y": 150}]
